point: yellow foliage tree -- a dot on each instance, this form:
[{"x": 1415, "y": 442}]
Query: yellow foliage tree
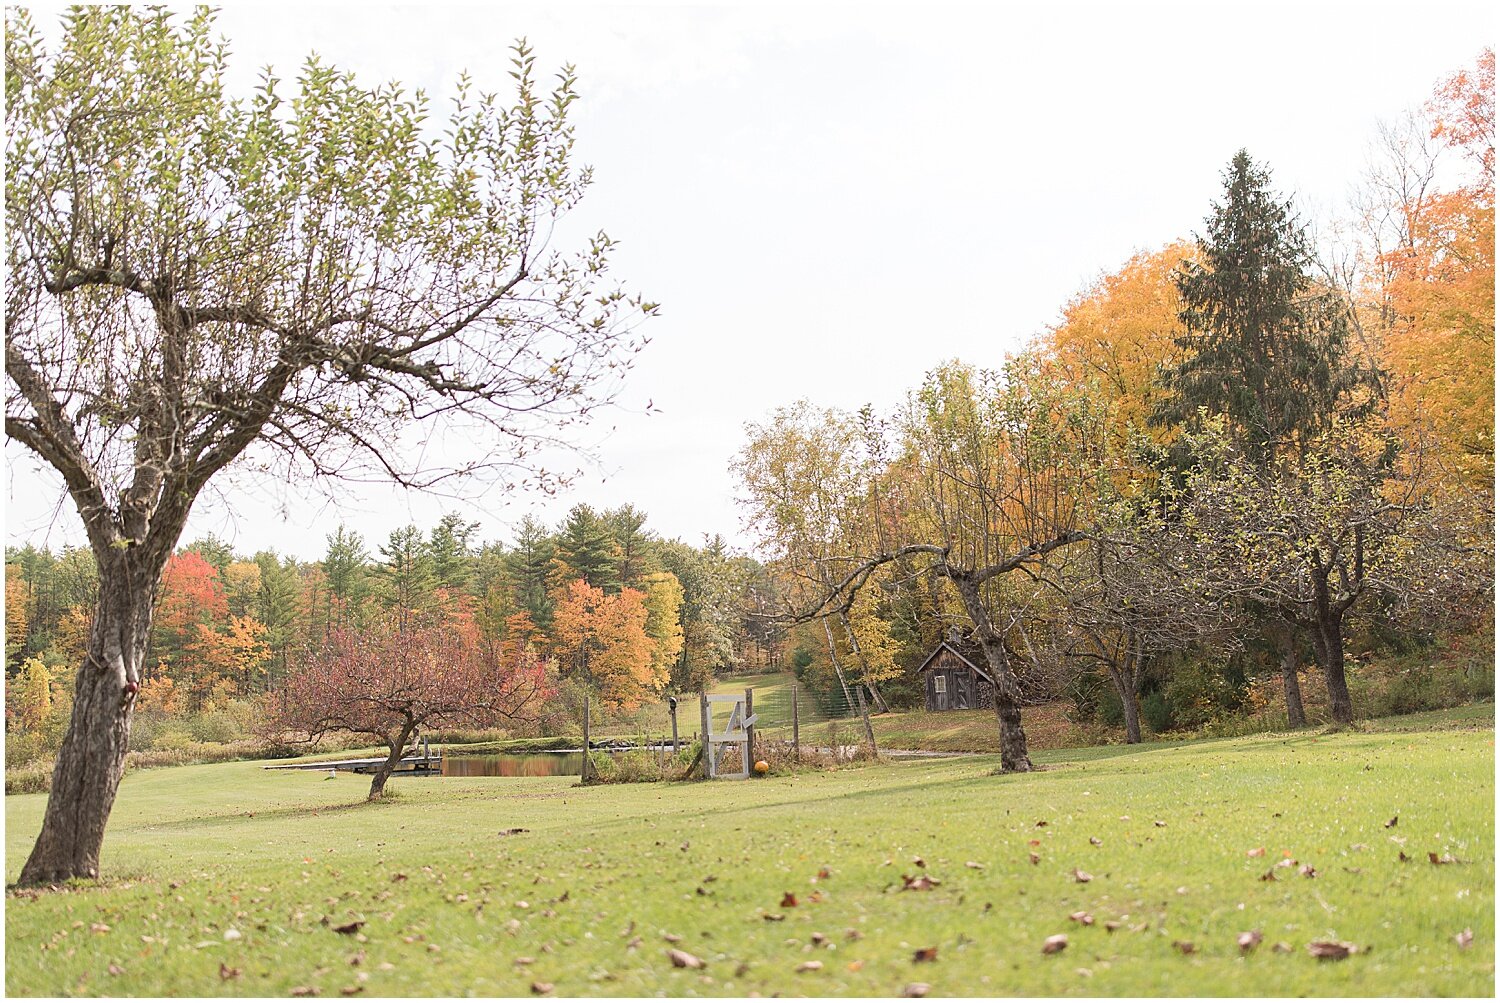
[{"x": 28, "y": 696}]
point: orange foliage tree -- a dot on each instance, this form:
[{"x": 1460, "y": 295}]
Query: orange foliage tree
[
  {"x": 1440, "y": 348},
  {"x": 1120, "y": 330},
  {"x": 601, "y": 640}
]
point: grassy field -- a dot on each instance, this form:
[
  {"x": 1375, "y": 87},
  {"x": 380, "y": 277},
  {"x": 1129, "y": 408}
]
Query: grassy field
[{"x": 228, "y": 880}]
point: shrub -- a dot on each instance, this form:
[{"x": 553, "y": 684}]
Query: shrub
[{"x": 1156, "y": 711}]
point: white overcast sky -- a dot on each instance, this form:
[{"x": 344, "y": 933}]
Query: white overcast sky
[{"x": 830, "y": 199}]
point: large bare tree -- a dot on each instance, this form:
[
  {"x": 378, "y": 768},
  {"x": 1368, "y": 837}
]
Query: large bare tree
[{"x": 327, "y": 286}]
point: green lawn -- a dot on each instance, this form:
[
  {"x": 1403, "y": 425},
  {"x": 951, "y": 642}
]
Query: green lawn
[{"x": 226, "y": 879}]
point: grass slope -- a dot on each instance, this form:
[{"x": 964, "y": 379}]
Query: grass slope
[{"x": 226, "y": 879}]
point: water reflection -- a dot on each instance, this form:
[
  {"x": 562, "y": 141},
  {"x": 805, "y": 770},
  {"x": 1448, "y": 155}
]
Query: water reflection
[{"x": 530, "y": 764}]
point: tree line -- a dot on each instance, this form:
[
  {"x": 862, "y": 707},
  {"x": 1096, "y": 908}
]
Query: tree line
[{"x": 1239, "y": 440}]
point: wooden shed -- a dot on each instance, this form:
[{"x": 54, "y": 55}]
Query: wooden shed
[{"x": 953, "y": 681}]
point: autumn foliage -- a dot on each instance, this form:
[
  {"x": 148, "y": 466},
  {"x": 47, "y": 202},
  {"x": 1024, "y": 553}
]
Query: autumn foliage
[{"x": 389, "y": 679}]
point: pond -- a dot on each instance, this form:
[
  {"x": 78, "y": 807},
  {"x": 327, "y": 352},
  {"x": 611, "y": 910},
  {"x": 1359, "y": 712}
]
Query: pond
[{"x": 513, "y": 764}]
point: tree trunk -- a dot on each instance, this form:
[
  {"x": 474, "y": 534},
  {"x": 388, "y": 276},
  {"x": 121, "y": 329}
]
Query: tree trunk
[
  {"x": 1286, "y": 642},
  {"x": 1332, "y": 649},
  {"x": 1126, "y": 682},
  {"x": 1013, "y": 754},
  {"x": 384, "y": 770},
  {"x": 91, "y": 760}
]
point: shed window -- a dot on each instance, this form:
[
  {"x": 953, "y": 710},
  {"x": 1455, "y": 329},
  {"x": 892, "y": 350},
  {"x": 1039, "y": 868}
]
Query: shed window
[{"x": 940, "y": 684}]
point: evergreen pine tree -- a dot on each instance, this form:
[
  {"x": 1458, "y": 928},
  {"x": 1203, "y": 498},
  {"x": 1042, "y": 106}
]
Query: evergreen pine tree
[
  {"x": 451, "y": 552},
  {"x": 528, "y": 567},
  {"x": 405, "y": 578},
  {"x": 1265, "y": 346},
  {"x": 347, "y": 581},
  {"x": 586, "y": 549}
]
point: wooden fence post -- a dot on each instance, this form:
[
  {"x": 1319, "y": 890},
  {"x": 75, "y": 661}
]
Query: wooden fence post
[
  {"x": 708, "y": 748},
  {"x": 584, "y": 773},
  {"x": 749, "y": 730},
  {"x": 672, "y": 705},
  {"x": 796, "y": 733}
]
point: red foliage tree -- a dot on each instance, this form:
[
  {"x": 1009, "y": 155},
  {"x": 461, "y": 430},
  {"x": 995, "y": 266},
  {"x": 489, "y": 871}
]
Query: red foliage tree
[{"x": 387, "y": 683}]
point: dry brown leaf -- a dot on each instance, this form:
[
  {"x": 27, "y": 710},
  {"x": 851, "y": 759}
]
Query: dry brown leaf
[
  {"x": 1466, "y": 938},
  {"x": 1250, "y": 940},
  {"x": 1401, "y": 856},
  {"x": 920, "y": 883},
  {"x": 919, "y": 861},
  {"x": 349, "y": 928},
  {"x": 1035, "y": 858},
  {"x": 1308, "y": 871},
  {"x": 116, "y": 970},
  {"x": 1096, "y": 841},
  {"x": 304, "y": 991},
  {"x": 226, "y": 973},
  {"x": 1444, "y": 859},
  {"x": 1331, "y": 950},
  {"x": 524, "y": 961},
  {"x": 824, "y": 874},
  {"x": 1159, "y": 824},
  {"x": 915, "y": 990},
  {"x": 671, "y": 938},
  {"x": 788, "y": 900},
  {"x": 1080, "y": 916},
  {"x": 1259, "y": 851},
  {"x": 809, "y": 966},
  {"x": 925, "y": 954},
  {"x": 1112, "y": 925},
  {"x": 1055, "y": 943},
  {"x": 1082, "y": 877},
  {"x": 854, "y": 966},
  {"x": 541, "y": 988},
  {"x": 682, "y": 959},
  {"x": 1185, "y": 946},
  {"x": 351, "y": 990},
  {"x": 773, "y": 917},
  {"x": 1392, "y": 823},
  {"x": 1040, "y": 824},
  {"x": 974, "y": 864},
  {"x": 1281, "y": 947}
]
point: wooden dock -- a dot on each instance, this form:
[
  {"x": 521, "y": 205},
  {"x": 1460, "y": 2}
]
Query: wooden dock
[{"x": 419, "y": 763}]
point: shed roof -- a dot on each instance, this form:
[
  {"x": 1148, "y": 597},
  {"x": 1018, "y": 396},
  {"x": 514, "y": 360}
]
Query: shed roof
[{"x": 978, "y": 669}]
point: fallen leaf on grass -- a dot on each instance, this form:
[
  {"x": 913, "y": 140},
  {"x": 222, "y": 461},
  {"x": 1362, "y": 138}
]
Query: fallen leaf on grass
[
  {"x": 116, "y": 970},
  {"x": 974, "y": 864},
  {"x": 226, "y": 973},
  {"x": 852, "y": 934},
  {"x": 824, "y": 874},
  {"x": 541, "y": 988},
  {"x": 1041, "y": 824},
  {"x": 632, "y": 943},
  {"x": 773, "y": 917},
  {"x": 524, "y": 961},
  {"x": 809, "y": 966},
  {"x": 1259, "y": 851},
  {"x": 351, "y": 990},
  {"x": 1444, "y": 859},
  {"x": 1159, "y": 824},
  {"x": 920, "y": 883},
  {"x": 398, "y": 877},
  {"x": 98, "y": 927},
  {"x": 1281, "y": 947},
  {"x": 349, "y": 928},
  {"x": 1185, "y": 946},
  {"x": 1082, "y": 877},
  {"x": 1250, "y": 940},
  {"x": 919, "y": 861},
  {"x": 1466, "y": 938},
  {"x": 788, "y": 900},
  {"x": 1401, "y": 856},
  {"x": 924, "y": 954},
  {"x": 1096, "y": 841},
  {"x": 304, "y": 991},
  {"x": 671, "y": 938},
  {"x": 1392, "y": 823},
  {"x": 1112, "y": 925},
  {"x": 682, "y": 959},
  {"x": 1308, "y": 871},
  {"x": 513, "y": 832},
  {"x": 1055, "y": 943},
  {"x": 1082, "y": 917},
  {"x": 1331, "y": 950},
  {"x": 1035, "y": 858},
  {"x": 915, "y": 990}
]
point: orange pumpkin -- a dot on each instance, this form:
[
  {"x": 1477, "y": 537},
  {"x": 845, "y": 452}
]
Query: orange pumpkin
[{"x": 761, "y": 766}]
